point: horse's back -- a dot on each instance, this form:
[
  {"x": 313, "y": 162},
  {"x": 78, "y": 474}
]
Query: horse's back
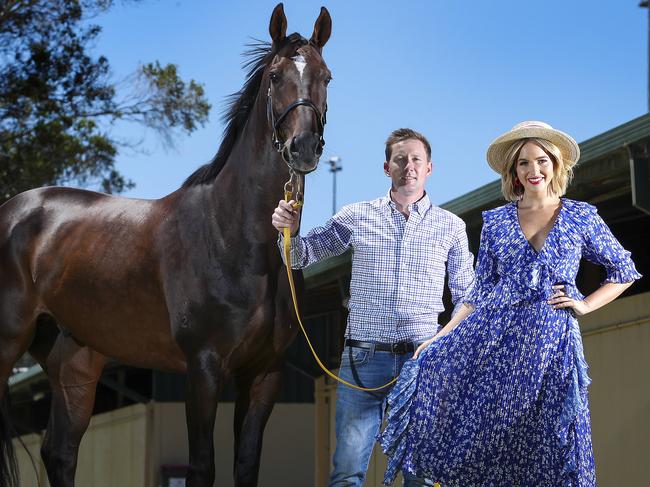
[
  {"x": 53, "y": 223},
  {"x": 40, "y": 208}
]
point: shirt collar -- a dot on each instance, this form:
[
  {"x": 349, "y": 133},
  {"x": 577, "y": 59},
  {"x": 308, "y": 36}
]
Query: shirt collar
[{"x": 420, "y": 206}]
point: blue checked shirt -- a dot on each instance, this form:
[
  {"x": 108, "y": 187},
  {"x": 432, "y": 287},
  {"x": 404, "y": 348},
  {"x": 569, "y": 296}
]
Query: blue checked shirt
[{"x": 398, "y": 265}]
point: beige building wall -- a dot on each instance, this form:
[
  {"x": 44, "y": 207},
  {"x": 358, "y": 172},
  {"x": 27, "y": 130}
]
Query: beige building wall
[
  {"x": 287, "y": 454},
  {"x": 30, "y": 472},
  {"x": 617, "y": 347},
  {"x": 128, "y": 446}
]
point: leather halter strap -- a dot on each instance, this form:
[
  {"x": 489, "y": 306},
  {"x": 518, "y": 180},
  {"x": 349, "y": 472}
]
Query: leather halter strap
[{"x": 321, "y": 120}]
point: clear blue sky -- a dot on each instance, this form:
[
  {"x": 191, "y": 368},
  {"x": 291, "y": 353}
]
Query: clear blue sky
[{"x": 459, "y": 72}]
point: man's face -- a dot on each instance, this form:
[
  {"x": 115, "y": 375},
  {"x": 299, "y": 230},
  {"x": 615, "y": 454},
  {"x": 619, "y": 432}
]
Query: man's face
[{"x": 408, "y": 167}]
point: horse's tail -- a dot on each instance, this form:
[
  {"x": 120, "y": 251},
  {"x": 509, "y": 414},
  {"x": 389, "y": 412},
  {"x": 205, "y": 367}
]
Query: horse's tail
[{"x": 8, "y": 462}]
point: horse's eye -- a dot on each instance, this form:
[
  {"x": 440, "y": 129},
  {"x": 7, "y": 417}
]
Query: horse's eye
[
  {"x": 274, "y": 77},
  {"x": 327, "y": 80}
]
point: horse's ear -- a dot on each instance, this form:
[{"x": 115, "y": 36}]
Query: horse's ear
[
  {"x": 322, "y": 29},
  {"x": 278, "y": 24}
]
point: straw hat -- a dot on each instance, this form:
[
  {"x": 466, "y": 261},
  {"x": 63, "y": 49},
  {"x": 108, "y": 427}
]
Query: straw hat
[{"x": 496, "y": 153}]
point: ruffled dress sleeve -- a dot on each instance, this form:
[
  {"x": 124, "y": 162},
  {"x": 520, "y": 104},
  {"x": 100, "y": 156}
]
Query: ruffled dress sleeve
[
  {"x": 486, "y": 276},
  {"x": 601, "y": 247}
]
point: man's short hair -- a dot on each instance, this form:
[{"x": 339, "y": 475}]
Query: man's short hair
[{"x": 401, "y": 135}]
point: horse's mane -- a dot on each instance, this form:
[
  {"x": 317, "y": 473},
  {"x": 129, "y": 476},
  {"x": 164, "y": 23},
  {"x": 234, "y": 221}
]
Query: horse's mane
[{"x": 240, "y": 104}]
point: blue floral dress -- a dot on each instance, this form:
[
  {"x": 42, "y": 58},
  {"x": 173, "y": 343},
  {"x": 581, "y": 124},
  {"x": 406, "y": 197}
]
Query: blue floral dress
[{"x": 502, "y": 399}]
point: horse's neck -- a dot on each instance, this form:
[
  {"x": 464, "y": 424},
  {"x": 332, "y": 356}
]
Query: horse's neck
[{"x": 253, "y": 177}]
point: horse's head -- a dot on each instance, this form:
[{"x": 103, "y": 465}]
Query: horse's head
[{"x": 296, "y": 86}]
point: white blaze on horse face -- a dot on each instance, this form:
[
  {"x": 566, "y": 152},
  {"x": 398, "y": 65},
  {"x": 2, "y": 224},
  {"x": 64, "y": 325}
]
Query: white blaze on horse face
[{"x": 300, "y": 63}]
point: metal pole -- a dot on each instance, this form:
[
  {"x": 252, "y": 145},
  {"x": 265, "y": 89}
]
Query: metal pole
[
  {"x": 334, "y": 168},
  {"x": 333, "y": 192},
  {"x": 644, "y": 4}
]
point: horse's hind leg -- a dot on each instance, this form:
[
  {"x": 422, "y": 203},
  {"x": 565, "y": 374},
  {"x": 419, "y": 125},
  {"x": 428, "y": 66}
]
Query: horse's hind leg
[
  {"x": 73, "y": 371},
  {"x": 10, "y": 352},
  {"x": 16, "y": 331},
  {"x": 255, "y": 400}
]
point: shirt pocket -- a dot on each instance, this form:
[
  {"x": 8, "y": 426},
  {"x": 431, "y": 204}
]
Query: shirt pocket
[{"x": 429, "y": 260}]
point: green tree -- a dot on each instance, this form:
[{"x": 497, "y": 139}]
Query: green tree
[{"x": 57, "y": 102}]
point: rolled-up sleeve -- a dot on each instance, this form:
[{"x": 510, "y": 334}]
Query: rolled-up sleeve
[
  {"x": 329, "y": 240},
  {"x": 460, "y": 267}
]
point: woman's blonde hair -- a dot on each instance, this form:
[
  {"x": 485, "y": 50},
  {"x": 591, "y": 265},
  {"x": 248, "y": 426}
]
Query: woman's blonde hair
[{"x": 562, "y": 172}]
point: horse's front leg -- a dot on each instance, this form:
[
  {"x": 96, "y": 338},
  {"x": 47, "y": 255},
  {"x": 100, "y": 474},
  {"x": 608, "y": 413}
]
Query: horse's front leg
[
  {"x": 204, "y": 382},
  {"x": 255, "y": 399}
]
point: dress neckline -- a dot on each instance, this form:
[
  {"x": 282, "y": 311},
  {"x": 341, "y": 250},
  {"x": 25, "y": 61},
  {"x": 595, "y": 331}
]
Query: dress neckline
[{"x": 520, "y": 231}]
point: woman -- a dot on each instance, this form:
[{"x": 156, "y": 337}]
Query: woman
[{"x": 499, "y": 396}]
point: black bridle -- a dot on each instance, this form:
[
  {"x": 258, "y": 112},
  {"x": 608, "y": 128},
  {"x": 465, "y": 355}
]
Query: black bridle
[{"x": 321, "y": 119}]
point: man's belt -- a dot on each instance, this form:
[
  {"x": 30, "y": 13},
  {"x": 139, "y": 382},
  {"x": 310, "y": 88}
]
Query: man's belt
[{"x": 396, "y": 348}]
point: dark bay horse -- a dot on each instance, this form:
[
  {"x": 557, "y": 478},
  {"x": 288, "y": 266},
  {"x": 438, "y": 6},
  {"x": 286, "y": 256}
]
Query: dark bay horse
[{"x": 192, "y": 282}]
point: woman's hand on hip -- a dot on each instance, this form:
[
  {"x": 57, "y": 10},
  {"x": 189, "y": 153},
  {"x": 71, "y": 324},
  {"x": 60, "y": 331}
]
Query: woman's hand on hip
[{"x": 560, "y": 300}]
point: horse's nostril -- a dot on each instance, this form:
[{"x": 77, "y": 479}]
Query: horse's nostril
[{"x": 306, "y": 146}]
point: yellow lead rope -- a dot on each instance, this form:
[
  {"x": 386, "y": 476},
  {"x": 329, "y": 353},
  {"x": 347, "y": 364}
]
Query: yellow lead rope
[{"x": 287, "y": 260}]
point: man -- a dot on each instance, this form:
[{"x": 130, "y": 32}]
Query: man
[{"x": 401, "y": 245}]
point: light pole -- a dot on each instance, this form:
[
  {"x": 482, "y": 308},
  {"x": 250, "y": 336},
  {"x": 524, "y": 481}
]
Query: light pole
[
  {"x": 334, "y": 168},
  {"x": 644, "y": 4}
]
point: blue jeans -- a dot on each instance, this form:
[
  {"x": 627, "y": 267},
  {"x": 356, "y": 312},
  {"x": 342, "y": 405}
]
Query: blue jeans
[{"x": 359, "y": 414}]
